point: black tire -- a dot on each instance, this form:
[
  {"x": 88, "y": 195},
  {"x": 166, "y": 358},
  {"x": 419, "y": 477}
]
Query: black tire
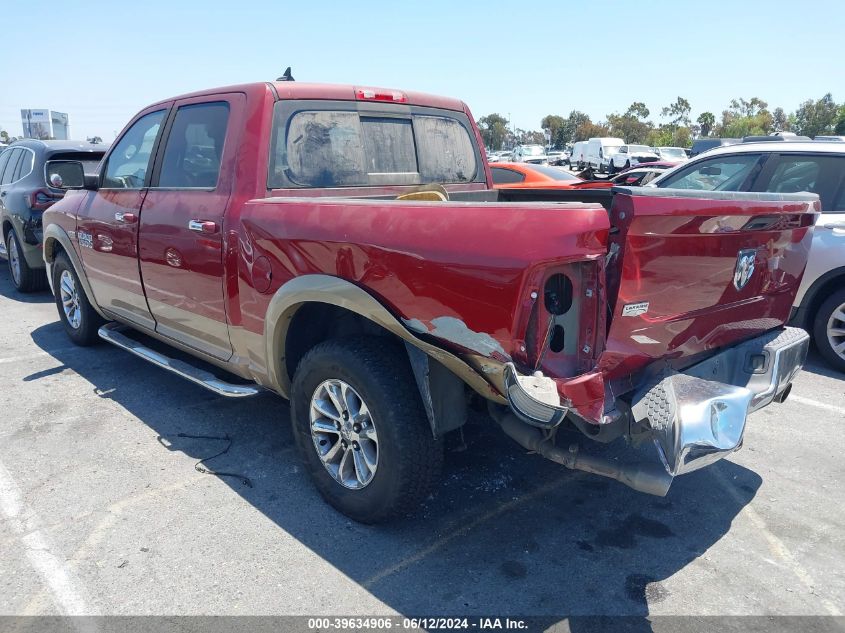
[
  {"x": 409, "y": 458},
  {"x": 27, "y": 279},
  {"x": 85, "y": 333},
  {"x": 833, "y": 303},
  {"x": 611, "y": 168},
  {"x": 627, "y": 164}
]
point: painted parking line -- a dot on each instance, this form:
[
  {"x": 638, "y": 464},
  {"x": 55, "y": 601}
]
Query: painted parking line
[
  {"x": 815, "y": 403},
  {"x": 776, "y": 546},
  {"x": 65, "y": 590}
]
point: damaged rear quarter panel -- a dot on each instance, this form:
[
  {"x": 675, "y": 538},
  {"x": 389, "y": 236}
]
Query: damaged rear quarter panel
[{"x": 455, "y": 272}]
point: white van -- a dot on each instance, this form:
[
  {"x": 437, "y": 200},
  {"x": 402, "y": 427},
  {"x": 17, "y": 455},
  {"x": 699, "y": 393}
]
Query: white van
[
  {"x": 599, "y": 151},
  {"x": 578, "y": 157}
]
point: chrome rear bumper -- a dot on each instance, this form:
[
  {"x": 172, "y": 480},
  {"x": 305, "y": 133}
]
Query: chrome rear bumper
[{"x": 698, "y": 416}]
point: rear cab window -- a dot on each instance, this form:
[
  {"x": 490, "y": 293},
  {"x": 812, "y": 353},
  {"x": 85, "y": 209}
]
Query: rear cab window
[{"x": 352, "y": 144}]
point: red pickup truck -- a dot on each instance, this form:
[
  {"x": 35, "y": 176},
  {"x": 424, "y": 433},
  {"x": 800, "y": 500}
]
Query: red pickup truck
[{"x": 344, "y": 247}]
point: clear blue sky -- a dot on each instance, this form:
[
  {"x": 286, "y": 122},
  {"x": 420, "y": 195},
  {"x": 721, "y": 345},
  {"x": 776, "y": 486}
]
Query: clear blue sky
[{"x": 103, "y": 61}]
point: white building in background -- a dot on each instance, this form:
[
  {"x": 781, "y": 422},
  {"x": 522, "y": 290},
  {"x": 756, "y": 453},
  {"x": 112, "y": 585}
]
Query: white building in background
[{"x": 45, "y": 124}]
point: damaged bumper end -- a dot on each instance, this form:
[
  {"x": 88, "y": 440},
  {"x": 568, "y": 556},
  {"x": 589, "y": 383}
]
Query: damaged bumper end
[
  {"x": 695, "y": 417},
  {"x": 534, "y": 399},
  {"x": 698, "y": 416}
]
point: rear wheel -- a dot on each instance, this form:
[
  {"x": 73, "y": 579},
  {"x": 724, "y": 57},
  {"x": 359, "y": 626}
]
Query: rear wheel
[
  {"x": 79, "y": 319},
  {"x": 361, "y": 430},
  {"x": 611, "y": 168},
  {"x": 627, "y": 164},
  {"x": 25, "y": 278},
  {"x": 829, "y": 330}
]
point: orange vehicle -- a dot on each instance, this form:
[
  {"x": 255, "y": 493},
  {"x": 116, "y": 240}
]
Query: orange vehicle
[{"x": 528, "y": 176}]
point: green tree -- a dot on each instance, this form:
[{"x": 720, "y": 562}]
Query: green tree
[
  {"x": 816, "y": 117},
  {"x": 554, "y": 124},
  {"x": 638, "y": 110},
  {"x": 566, "y": 135},
  {"x": 840, "y": 123},
  {"x": 678, "y": 112},
  {"x": 780, "y": 122},
  {"x": 494, "y": 130},
  {"x": 631, "y": 126},
  {"x": 587, "y": 130},
  {"x": 746, "y": 118},
  {"x": 706, "y": 120}
]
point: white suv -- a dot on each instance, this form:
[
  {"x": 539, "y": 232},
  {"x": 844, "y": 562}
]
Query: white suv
[
  {"x": 530, "y": 154},
  {"x": 787, "y": 167},
  {"x": 630, "y": 156}
]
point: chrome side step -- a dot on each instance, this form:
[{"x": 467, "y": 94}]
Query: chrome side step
[{"x": 111, "y": 332}]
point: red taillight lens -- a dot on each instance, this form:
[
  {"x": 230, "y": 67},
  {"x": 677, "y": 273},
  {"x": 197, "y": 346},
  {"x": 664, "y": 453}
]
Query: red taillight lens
[
  {"x": 41, "y": 199},
  {"x": 371, "y": 94}
]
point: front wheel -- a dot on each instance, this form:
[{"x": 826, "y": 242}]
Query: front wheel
[
  {"x": 78, "y": 317},
  {"x": 829, "y": 330},
  {"x": 361, "y": 430},
  {"x": 611, "y": 168},
  {"x": 25, "y": 278}
]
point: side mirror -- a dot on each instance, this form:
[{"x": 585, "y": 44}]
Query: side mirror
[{"x": 69, "y": 174}]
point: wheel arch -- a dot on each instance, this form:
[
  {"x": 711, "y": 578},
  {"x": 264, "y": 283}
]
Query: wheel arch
[
  {"x": 816, "y": 294},
  {"x": 56, "y": 240},
  {"x": 294, "y": 323}
]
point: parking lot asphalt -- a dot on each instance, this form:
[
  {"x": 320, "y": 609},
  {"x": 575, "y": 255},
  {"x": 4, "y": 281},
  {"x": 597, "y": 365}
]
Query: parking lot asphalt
[{"x": 102, "y": 511}]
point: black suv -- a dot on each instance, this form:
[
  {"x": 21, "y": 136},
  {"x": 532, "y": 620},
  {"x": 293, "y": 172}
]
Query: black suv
[{"x": 31, "y": 179}]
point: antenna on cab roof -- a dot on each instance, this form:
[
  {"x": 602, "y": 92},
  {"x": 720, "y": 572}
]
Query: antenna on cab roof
[{"x": 287, "y": 76}]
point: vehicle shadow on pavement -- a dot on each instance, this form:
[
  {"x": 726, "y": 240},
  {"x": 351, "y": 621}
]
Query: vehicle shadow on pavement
[
  {"x": 817, "y": 365},
  {"x": 8, "y": 290},
  {"x": 506, "y": 533}
]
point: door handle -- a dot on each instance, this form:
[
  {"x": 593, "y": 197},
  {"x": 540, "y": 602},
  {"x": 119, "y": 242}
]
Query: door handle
[
  {"x": 203, "y": 226},
  {"x": 126, "y": 217}
]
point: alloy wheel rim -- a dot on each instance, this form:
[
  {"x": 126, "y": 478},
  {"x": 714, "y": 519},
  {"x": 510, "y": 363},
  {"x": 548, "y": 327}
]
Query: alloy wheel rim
[
  {"x": 70, "y": 299},
  {"x": 343, "y": 434},
  {"x": 14, "y": 260},
  {"x": 836, "y": 331}
]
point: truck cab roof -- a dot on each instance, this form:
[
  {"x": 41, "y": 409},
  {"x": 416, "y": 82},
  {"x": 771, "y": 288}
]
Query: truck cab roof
[{"x": 333, "y": 92}]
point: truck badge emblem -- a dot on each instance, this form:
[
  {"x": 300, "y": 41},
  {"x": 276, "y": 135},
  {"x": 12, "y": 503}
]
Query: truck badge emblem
[{"x": 744, "y": 267}]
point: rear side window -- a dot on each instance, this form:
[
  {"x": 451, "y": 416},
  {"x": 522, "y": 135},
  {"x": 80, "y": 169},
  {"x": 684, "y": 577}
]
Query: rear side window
[
  {"x": 4, "y": 161},
  {"x": 336, "y": 148},
  {"x": 721, "y": 173},
  {"x": 503, "y": 176},
  {"x": 195, "y": 146},
  {"x": 25, "y": 164},
  {"x": 820, "y": 174}
]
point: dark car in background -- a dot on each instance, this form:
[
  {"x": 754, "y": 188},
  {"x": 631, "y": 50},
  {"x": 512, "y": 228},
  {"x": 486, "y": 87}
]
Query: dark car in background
[
  {"x": 704, "y": 144},
  {"x": 32, "y": 174}
]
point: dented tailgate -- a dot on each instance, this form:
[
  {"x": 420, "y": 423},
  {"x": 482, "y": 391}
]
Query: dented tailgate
[{"x": 692, "y": 271}]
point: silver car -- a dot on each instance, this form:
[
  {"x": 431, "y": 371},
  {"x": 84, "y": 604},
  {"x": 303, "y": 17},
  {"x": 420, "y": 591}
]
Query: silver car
[{"x": 818, "y": 167}]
